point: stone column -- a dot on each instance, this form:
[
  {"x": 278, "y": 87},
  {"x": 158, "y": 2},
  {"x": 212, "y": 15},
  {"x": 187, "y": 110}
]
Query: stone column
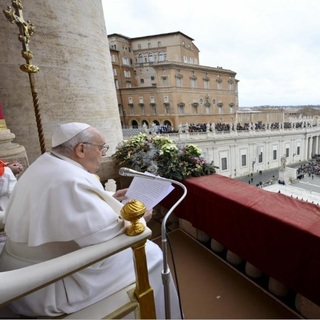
[
  {"x": 10, "y": 151},
  {"x": 75, "y": 81}
]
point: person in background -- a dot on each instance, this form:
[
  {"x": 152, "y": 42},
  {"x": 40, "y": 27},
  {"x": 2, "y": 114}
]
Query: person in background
[
  {"x": 58, "y": 206},
  {"x": 8, "y": 172}
]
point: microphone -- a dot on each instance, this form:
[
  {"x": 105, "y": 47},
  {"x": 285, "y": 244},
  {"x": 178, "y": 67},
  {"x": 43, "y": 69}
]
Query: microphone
[{"x": 126, "y": 172}]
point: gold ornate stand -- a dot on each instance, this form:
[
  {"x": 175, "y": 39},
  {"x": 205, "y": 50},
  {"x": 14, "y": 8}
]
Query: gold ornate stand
[
  {"x": 26, "y": 29},
  {"x": 132, "y": 211}
]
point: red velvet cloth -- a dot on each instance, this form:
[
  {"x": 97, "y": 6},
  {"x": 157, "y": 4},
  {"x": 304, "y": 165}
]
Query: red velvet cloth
[{"x": 276, "y": 233}]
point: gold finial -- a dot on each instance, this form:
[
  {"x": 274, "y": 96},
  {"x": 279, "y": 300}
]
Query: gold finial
[
  {"x": 132, "y": 211},
  {"x": 26, "y": 29}
]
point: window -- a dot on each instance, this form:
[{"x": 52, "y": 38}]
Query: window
[
  {"x": 219, "y": 82},
  {"x": 141, "y": 80},
  {"x": 114, "y": 72},
  {"x": 298, "y": 150},
  {"x": 193, "y": 83},
  {"x": 113, "y": 58},
  {"x": 152, "y": 78},
  {"x": 181, "y": 109},
  {"x": 243, "y": 160},
  {"x": 126, "y": 61},
  {"x": 287, "y": 149},
  {"x": 230, "y": 81},
  {"x": 160, "y": 56},
  {"x": 143, "y": 111},
  {"x": 164, "y": 81},
  {"x": 139, "y": 46},
  {"x": 153, "y": 110},
  {"x": 131, "y": 109},
  {"x": 201, "y": 101},
  {"x": 191, "y": 60},
  {"x": 128, "y": 84},
  {"x": 274, "y": 155},
  {"x": 159, "y": 43},
  {"x": 206, "y": 84},
  {"x": 127, "y": 73},
  {"x": 185, "y": 59},
  {"x": 149, "y": 45},
  {"x": 140, "y": 58},
  {"x": 260, "y": 156},
  {"x": 116, "y": 83},
  {"x": 150, "y": 57},
  {"x": 224, "y": 165},
  {"x": 179, "y": 82},
  {"x": 195, "y": 108},
  {"x": 207, "y": 109},
  {"x": 134, "y": 124}
]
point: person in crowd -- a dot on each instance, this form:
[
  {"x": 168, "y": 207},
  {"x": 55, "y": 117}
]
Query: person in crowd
[
  {"x": 58, "y": 206},
  {"x": 8, "y": 172}
]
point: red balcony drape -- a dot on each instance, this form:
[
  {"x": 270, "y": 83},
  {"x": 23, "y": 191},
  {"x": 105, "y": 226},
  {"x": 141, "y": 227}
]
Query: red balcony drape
[{"x": 276, "y": 233}]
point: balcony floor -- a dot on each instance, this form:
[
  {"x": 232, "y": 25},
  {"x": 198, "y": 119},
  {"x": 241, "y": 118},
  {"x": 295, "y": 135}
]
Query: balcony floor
[{"x": 210, "y": 288}]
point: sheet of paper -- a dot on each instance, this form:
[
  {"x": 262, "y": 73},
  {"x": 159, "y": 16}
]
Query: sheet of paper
[{"x": 148, "y": 191}]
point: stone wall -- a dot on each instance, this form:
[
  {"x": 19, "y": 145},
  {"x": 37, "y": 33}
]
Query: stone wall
[{"x": 75, "y": 81}]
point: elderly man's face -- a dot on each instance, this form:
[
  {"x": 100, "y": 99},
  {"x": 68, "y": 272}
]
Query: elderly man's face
[{"x": 94, "y": 151}]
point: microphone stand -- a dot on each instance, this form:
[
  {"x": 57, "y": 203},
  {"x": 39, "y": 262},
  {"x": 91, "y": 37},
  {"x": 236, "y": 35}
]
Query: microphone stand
[{"x": 166, "y": 269}]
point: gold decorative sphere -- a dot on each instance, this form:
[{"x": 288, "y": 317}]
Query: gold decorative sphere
[{"x": 132, "y": 211}]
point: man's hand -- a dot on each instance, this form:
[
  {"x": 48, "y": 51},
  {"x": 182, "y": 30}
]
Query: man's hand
[
  {"x": 15, "y": 166},
  {"x": 120, "y": 194},
  {"x": 148, "y": 215}
]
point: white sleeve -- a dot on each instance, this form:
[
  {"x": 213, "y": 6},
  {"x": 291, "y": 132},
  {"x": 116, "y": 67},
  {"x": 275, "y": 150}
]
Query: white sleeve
[{"x": 107, "y": 233}]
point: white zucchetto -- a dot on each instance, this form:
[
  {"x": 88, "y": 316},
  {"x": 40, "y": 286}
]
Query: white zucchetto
[{"x": 67, "y": 131}]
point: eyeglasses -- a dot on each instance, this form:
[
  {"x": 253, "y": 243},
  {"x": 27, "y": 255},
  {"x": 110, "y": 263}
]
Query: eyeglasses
[{"x": 102, "y": 148}]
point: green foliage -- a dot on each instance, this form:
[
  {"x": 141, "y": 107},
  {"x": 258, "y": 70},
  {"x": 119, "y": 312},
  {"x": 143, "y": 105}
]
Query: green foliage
[{"x": 163, "y": 157}]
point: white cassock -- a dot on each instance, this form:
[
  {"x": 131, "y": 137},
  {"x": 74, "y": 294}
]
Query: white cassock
[{"x": 55, "y": 208}]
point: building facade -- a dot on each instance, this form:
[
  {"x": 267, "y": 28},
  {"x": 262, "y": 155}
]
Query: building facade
[
  {"x": 238, "y": 153},
  {"x": 159, "y": 80}
]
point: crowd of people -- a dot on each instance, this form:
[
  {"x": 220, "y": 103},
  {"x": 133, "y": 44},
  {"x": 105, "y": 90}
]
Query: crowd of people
[
  {"x": 227, "y": 127},
  {"x": 312, "y": 168},
  {"x": 221, "y": 127}
]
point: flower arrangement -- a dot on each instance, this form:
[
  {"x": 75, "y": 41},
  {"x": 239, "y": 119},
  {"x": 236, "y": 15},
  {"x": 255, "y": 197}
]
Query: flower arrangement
[{"x": 161, "y": 156}]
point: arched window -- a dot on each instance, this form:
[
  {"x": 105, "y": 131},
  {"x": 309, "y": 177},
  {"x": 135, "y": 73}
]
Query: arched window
[
  {"x": 140, "y": 58},
  {"x": 150, "y": 57},
  {"x": 160, "y": 56},
  {"x": 145, "y": 122},
  {"x": 134, "y": 124}
]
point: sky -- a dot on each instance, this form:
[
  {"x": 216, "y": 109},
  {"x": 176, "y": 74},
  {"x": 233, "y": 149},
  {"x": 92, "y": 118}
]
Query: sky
[{"x": 272, "y": 45}]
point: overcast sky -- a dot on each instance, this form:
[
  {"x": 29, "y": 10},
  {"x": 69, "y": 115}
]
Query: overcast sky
[{"x": 272, "y": 45}]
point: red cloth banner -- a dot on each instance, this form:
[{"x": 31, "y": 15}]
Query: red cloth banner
[{"x": 276, "y": 233}]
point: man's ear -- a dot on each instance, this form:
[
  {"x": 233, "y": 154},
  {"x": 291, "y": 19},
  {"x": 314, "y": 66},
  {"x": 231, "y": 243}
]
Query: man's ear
[{"x": 79, "y": 150}]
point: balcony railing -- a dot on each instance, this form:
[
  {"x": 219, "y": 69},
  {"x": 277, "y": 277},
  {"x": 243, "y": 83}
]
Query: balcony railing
[{"x": 273, "y": 234}]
